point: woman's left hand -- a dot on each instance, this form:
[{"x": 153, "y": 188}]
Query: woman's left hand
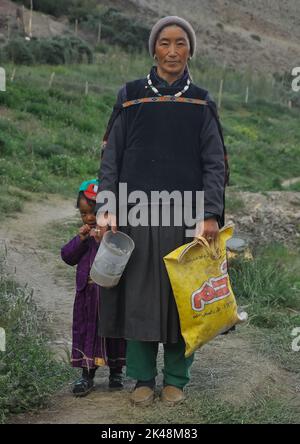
[{"x": 207, "y": 228}]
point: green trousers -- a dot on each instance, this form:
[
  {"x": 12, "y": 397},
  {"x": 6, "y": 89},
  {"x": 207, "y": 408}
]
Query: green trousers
[{"x": 141, "y": 362}]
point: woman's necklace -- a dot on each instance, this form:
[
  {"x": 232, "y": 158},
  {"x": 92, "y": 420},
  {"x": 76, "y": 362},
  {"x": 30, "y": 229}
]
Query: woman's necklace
[{"x": 155, "y": 90}]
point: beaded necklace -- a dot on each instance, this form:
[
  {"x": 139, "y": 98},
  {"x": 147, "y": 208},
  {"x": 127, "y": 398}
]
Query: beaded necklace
[{"x": 155, "y": 90}]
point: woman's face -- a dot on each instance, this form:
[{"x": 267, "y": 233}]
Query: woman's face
[{"x": 172, "y": 49}]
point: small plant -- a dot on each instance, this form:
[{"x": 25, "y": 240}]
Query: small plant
[
  {"x": 119, "y": 29},
  {"x": 256, "y": 37},
  {"x": 29, "y": 372}
]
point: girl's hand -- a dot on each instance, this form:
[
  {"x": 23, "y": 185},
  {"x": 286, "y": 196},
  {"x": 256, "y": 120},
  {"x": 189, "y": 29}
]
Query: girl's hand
[
  {"x": 96, "y": 234},
  {"x": 106, "y": 220},
  {"x": 84, "y": 231},
  {"x": 207, "y": 228}
]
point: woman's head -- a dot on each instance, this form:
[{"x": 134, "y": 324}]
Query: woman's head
[
  {"x": 172, "y": 38},
  {"x": 86, "y": 201}
]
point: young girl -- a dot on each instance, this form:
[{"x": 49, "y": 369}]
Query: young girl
[{"x": 88, "y": 349}]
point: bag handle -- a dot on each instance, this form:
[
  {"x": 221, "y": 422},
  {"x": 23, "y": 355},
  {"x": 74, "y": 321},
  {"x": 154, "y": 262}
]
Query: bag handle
[{"x": 201, "y": 241}]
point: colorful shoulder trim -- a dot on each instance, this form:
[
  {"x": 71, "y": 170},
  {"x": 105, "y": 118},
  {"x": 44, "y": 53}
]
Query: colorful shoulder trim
[{"x": 164, "y": 99}]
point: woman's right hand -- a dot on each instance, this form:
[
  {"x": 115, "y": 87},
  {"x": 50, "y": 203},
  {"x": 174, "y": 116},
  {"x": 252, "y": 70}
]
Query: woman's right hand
[{"x": 106, "y": 220}]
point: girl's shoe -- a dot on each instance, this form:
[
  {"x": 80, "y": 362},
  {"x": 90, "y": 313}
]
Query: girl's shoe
[
  {"x": 83, "y": 386},
  {"x": 116, "y": 381}
]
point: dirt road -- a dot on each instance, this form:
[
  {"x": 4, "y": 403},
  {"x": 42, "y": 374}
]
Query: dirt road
[{"x": 229, "y": 367}]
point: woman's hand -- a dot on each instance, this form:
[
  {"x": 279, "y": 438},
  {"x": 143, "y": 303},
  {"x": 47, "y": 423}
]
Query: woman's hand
[
  {"x": 207, "y": 228},
  {"x": 106, "y": 220},
  {"x": 84, "y": 231}
]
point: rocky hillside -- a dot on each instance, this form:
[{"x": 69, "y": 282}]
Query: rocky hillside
[
  {"x": 242, "y": 33},
  {"x": 262, "y": 36},
  {"x": 43, "y": 25}
]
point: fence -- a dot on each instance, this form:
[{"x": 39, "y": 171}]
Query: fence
[{"x": 240, "y": 90}]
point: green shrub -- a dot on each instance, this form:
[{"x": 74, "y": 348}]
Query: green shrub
[
  {"x": 19, "y": 52},
  {"x": 52, "y": 7},
  {"x": 102, "y": 48},
  {"x": 52, "y": 51},
  {"x": 68, "y": 166},
  {"x": 46, "y": 150},
  {"x": 256, "y": 37},
  {"x": 9, "y": 204},
  {"x": 118, "y": 29}
]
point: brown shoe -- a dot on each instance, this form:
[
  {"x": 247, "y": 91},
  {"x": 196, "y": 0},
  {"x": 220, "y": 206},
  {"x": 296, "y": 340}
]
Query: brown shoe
[
  {"x": 142, "y": 396},
  {"x": 172, "y": 395}
]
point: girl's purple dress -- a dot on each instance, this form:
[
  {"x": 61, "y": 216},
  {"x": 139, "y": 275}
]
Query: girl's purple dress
[{"x": 88, "y": 348}]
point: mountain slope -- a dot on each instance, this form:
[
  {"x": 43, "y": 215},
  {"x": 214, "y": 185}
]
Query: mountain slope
[
  {"x": 263, "y": 36},
  {"x": 248, "y": 34}
]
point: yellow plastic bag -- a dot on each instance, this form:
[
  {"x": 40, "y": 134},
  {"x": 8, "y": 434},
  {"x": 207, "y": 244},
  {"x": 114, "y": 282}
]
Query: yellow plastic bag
[{"x": 202, "y": 290}]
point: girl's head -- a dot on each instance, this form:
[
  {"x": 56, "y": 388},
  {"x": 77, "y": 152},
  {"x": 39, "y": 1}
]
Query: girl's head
[{"x": 86, "y": 201}]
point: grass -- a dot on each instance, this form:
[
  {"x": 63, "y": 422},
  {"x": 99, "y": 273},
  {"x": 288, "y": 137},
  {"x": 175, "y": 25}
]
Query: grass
[
  {"x": 269, "y": 286},
  {"x": 50, "y": 138},
  {"x": 202, "y": 409},
  {"x": 12, "y": 200},
  {"x": 52, "y": 237},
  {"x": 269, "y": 283},
  {"x": 56, "y": 234},
  {"x": 29, "y": 372}
]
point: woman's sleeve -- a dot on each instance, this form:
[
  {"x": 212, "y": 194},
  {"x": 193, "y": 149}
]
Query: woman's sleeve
[
  {"x": 213, "y": 166},
  {"x": 72, "y": 252},
  {"x": 113, "y": 152}
]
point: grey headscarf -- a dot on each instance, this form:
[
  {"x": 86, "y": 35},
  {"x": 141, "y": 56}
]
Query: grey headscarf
[{"x": 172, "y": 20}]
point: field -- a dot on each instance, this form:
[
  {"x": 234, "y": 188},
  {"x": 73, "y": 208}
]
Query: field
[
  {"x": 49, "y": 142},
  {"x": 50, "y": 137}
]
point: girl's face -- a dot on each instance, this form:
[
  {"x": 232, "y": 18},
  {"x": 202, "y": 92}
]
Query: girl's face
[{"x": 87, "y": 213}]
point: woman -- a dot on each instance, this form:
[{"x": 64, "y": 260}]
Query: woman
[{"x": 159, "y": 145}]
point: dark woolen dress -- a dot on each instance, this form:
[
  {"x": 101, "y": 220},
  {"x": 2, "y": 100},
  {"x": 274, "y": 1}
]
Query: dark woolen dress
[{"x": 157, "y": 146}]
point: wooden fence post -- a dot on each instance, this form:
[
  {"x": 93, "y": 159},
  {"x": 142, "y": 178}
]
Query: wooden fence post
[
  {"x": 247, "y": 95},
  {"x": 8, "y": 28},
  {"x": 12, "y": 78},
  {"x": 30, "y": 19},
  {"x": 99, "y": 33},
  {"x": 86, "y": 88},
  {"x": 51, "y": 79},
  {"x": 220, "y": 94},
  {"x": 2, "y": 79}
]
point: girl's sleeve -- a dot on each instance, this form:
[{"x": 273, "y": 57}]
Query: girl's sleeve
[{"x": 72, "y": 252}]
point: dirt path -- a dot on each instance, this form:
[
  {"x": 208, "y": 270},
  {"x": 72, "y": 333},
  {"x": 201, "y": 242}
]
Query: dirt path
[
  {"x": 229, "y": 367},
  {"x": 36, "y": 267}
]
